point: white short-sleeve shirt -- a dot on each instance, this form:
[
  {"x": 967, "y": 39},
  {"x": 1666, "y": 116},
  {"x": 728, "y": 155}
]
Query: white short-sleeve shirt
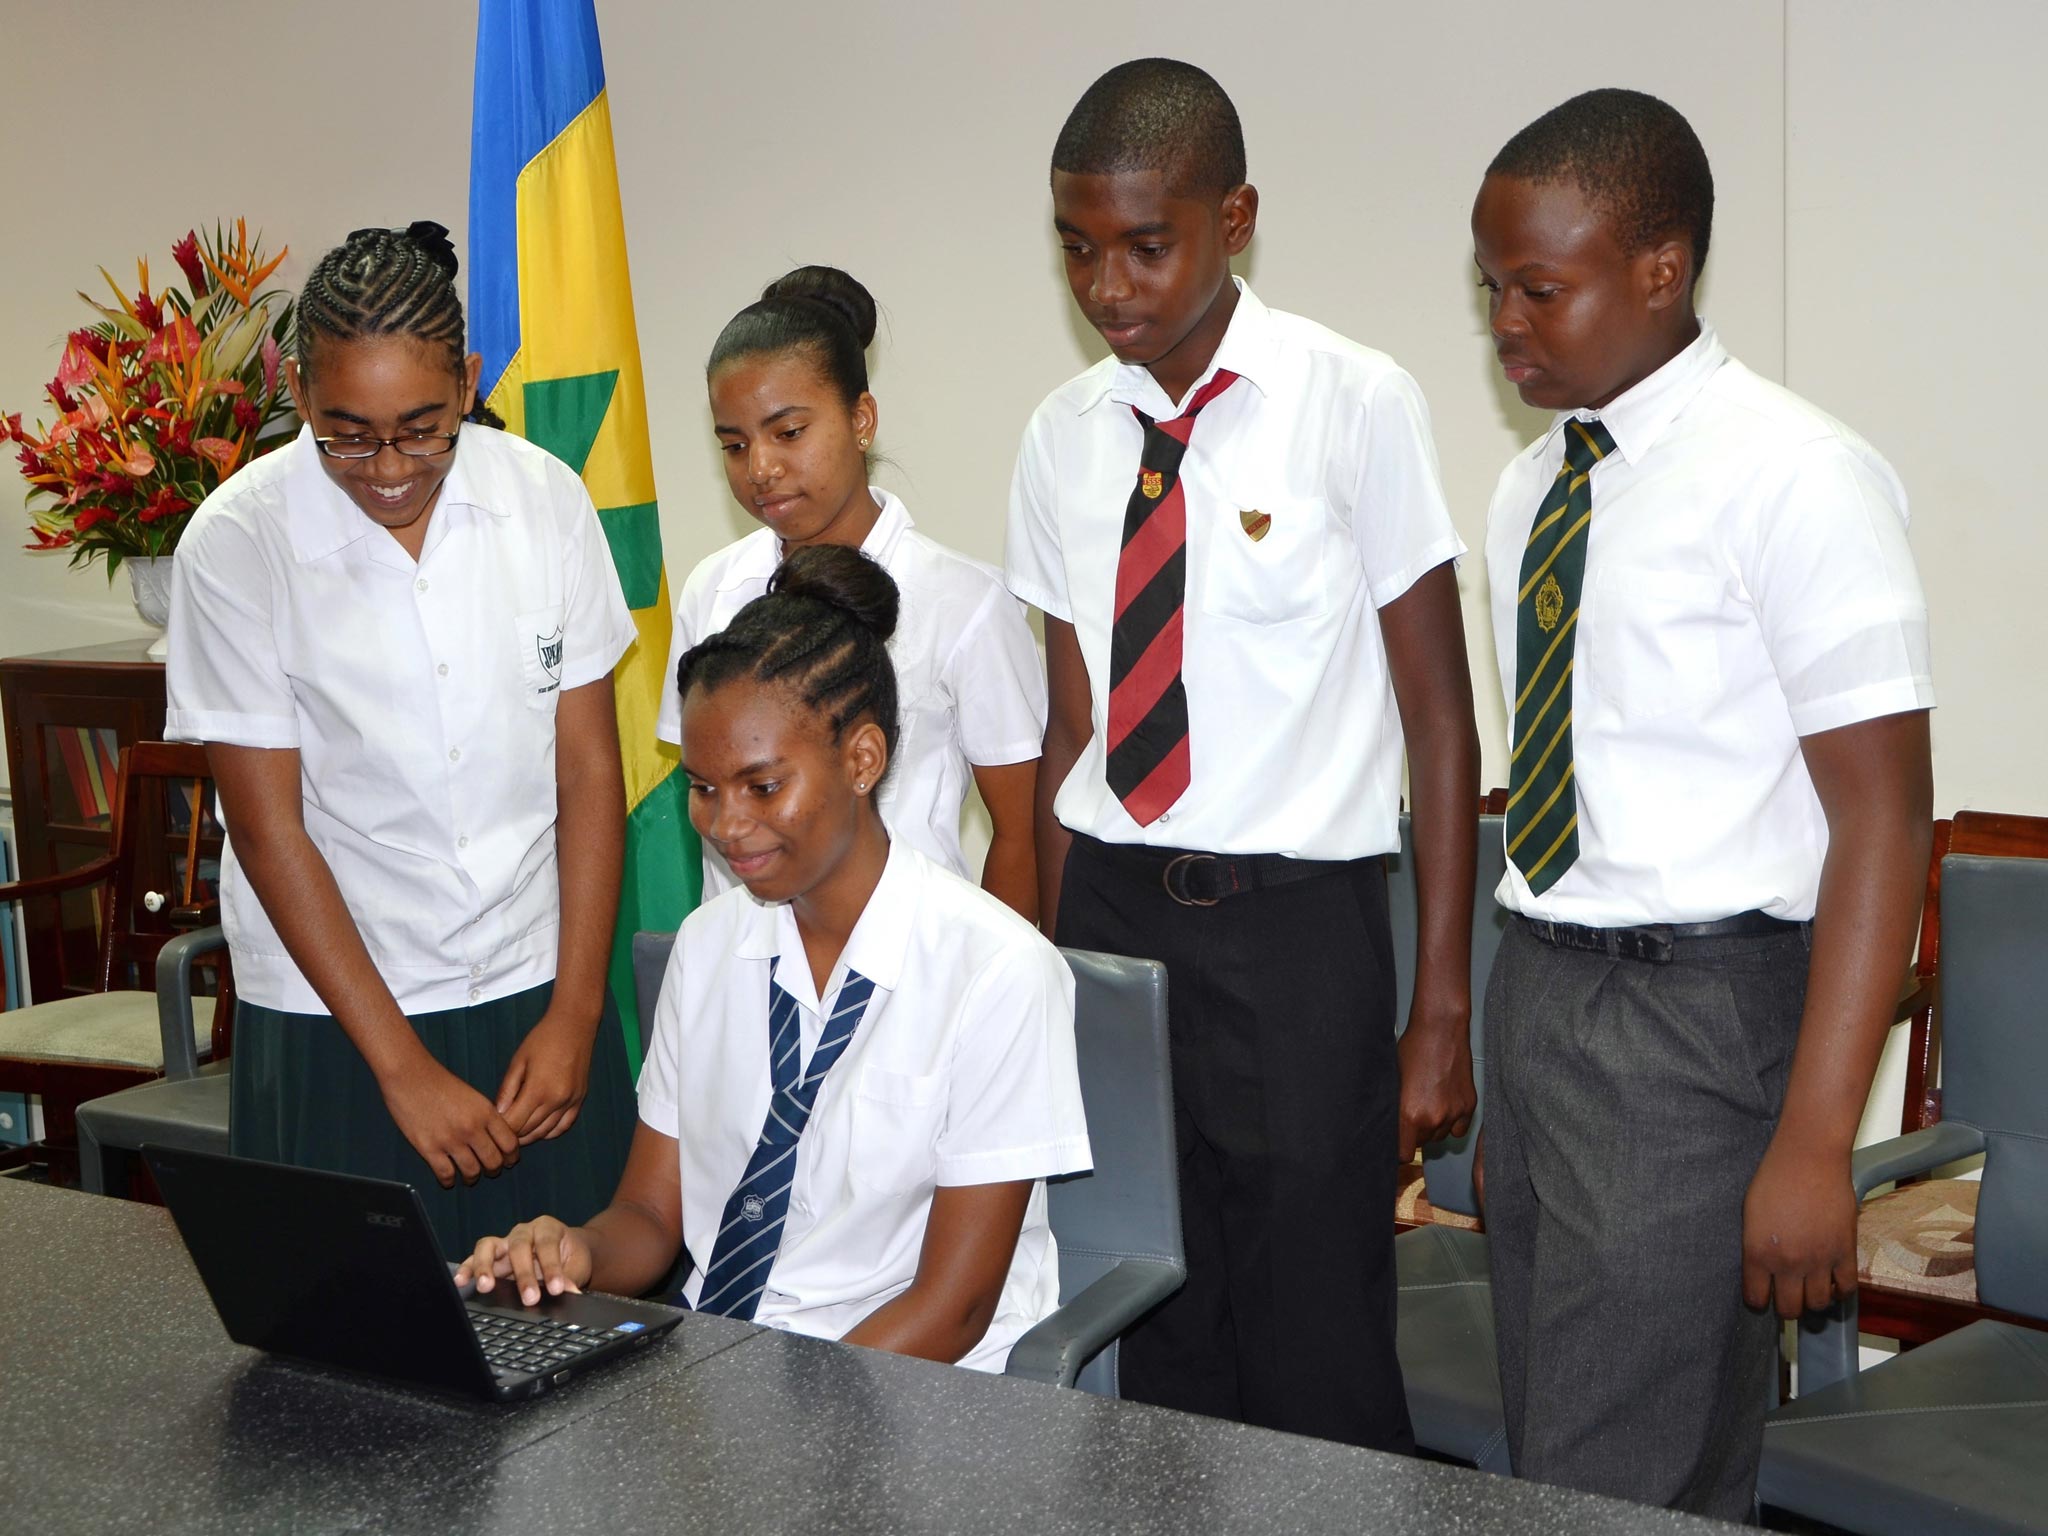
[
  {"x": 420, "y": 698},
  {"x": 1294, "y": 738},
  {"x": 970, "y": 686},
  {"x": 961, "y": 1072},
  {"x": 1747, "y": 583}
]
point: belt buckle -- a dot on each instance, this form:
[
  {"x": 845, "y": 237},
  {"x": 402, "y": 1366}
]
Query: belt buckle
[{"x": 1166, "y": 878}]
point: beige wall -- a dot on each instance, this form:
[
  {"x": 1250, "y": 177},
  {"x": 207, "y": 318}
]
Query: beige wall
[{"x": 1873, "y": 246}]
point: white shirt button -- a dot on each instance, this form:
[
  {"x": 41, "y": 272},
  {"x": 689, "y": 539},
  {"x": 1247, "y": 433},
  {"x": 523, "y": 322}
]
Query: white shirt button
[
  {"x": 1166, "y": 815},
  {"x": 476, "y": 970},
  {"x": 462, "y": 842},
  {"x": 476, "y": 994},
  {"x": 442, "y": 669},
  {"x": 455, "y": 754},
  {"x": 420, "y": 585}
]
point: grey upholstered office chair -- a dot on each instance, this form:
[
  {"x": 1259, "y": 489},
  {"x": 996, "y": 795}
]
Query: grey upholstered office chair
[
  {"x": 1118, "y": 1228},
  {"x": 1950, "y": 1436},
  {"x": 1445, "y": 1331},
  {"x": 186, "y": 1108}
]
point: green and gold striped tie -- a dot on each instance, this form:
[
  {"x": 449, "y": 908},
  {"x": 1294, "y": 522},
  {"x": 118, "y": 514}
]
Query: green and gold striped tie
[{"x": 1543, "y": 800}]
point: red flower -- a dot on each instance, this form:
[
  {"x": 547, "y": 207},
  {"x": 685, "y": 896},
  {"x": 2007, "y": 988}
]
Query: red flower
[
  {"x": 186, "y": 253},
  {"x": 247, "y": 417},
  {"x": 149, "y": 311},
  {"x": 176, "y": 343},
  {"x": 152, "y": 394},
  {"x": 61, "y": 397},
  {"x": 165, "y": 503},
  {"x": 48, "y": 540},
  {"x": 89, "y": 342},
  {"x": 91, "y": 517},
  {"x": 32, "y": 463},
  {"x": 179, "y": 440},
  {"x": 222, "y": 452},
  {"x": 10, "y": 426}
]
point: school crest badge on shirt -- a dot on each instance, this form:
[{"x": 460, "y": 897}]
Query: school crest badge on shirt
[
  {"x": 1256, "y": 524},
  {"x": 549, "y": 650}
]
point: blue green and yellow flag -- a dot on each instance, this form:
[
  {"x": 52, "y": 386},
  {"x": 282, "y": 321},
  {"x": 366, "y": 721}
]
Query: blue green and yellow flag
[{"x": 551, "y": 310}]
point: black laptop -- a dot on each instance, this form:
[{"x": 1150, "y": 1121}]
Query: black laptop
[{"x": 344, "y": 1271}]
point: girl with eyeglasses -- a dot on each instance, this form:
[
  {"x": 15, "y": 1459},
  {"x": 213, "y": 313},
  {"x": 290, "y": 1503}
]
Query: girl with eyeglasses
[{"x": 395, "y": 637}]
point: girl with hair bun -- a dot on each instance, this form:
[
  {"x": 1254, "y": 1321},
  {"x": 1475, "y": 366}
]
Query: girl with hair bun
[
  {"x": 395, "y": 637},
  {"x": 880, "y": 1057},
  {"x": 796, "y": 423}
]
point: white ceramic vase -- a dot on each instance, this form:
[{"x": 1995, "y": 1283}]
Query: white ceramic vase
[{"x": 150, "y": 581}]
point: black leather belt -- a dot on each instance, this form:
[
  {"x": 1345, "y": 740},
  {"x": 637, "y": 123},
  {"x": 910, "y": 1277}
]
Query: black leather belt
[
  {"x": 1655, "y": 943},
  {"x": 1203, "y": 879}
]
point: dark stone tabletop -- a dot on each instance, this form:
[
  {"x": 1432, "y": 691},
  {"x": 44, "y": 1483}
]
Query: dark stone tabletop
[{"x": 124, "y": 1407}]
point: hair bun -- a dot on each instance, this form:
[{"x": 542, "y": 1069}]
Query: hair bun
[
  {"x": 433, "y": 239},
  {"x": 843, "y": 578},
  {"x": 834, "y": 289}
]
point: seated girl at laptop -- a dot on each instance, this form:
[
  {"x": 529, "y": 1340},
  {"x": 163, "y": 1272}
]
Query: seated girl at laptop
[{"x": 862, "y": 1067}]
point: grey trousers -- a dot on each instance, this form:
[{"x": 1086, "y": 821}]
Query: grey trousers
[{"x": 1628, "y": 1105}]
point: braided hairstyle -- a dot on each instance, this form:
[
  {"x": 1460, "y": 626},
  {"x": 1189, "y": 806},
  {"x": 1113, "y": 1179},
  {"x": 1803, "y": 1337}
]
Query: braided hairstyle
[
  {"x": 387, "y": 282},
  {"x": 821, "y": 631}
]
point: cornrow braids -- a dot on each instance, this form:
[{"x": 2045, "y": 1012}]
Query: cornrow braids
[
  {"x": 386, "y": 282},
  {"x": 821, "y": 631}
]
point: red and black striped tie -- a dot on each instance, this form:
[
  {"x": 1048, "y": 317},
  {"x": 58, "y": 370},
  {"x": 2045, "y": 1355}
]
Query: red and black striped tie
[{"x": 1148, "y": 706}]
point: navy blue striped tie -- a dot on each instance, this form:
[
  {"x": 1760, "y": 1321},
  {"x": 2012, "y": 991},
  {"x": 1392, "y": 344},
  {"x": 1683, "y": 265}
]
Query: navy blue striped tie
[{"x": 750, "y": 1234}]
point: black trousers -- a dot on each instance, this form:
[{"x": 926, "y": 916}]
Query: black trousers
[{"x": 1286, "y": 1095}]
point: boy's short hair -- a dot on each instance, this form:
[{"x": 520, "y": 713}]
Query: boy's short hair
[
  {"x": 1155, "y": 115},
  {"x": 1636, "y": 158}
]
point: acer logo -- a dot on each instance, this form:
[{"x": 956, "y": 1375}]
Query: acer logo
[{"x": 379, "y": 1219}]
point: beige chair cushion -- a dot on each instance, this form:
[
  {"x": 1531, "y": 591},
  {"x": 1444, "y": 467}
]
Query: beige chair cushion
[
  {"x": 1921, "y": 1239},
  {"x": 116, "y": 1027},
  {"x": 1412, "y": 1207}
]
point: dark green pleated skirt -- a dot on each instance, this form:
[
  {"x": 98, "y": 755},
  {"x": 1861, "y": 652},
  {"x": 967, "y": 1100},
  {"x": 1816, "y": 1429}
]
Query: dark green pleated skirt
[{"x": 302, "y": 1094}]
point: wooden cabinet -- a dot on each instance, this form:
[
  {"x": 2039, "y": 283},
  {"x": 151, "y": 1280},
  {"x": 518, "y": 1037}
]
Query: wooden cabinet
[{"x": 67, "y": 716}]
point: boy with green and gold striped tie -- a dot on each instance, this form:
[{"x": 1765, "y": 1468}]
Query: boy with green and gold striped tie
[{"x": 1713, "y": 649}]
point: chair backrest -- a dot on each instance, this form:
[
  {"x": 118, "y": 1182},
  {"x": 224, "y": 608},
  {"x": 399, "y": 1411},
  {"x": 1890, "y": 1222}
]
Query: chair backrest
[
  {"x": 1994, "y": 834},
  {"x": 1129, "y": 1206},
  {"x": 650, "y": 964},
  {"x": 1994, "y": 1004},
  {"x": 1447, "y": 1164}
]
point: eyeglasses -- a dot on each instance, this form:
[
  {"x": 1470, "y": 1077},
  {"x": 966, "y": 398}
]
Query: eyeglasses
[{"x": 414, "y": 445}]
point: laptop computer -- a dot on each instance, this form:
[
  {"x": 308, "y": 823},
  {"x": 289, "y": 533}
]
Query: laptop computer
[{"x": 345, "y": 1271}]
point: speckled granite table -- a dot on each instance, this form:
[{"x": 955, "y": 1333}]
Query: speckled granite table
[{"x": 123, "y": 1407}]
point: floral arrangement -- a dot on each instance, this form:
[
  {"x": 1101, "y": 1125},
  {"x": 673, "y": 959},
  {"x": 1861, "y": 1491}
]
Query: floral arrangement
[{"x": 158, "y": 402}]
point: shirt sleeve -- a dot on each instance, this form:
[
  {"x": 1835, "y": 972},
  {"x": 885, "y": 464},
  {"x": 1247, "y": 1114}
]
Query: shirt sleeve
[
  {"x": 1014, "y": 1107},
  {"x": 668, "y": 722},
  {"x": 1033, "y": 566},
  {"x": 1398, "y": 517},
  {"x": 1838, "y": 597},
  {"x": 997, "y": 682},
  {"x": 224, "y": 677},
  {"x": 596, "y": 624}
]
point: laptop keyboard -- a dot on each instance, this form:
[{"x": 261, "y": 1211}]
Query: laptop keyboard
[{"x": 518, "y": 1346}]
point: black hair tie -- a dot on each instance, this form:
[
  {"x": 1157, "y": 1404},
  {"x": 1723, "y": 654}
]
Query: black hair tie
[{"x": 433, "y": 239}]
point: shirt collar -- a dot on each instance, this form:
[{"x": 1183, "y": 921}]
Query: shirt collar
[
  {"x": 876, "y": 948},
  {"x": 762, "y": 551},
  {"x": 324, "y": 520},
  {"x": 1249, "y": 348},
  {"x": 1638, "y": 416}
]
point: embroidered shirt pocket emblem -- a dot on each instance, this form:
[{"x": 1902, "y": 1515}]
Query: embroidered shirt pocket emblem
[
  {"x": 1256, "y": 524},
  {"x": 549, "y": 649}
]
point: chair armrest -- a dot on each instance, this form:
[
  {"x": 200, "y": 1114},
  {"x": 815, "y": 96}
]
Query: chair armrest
[
  {"x": 1924, "y": 993},
  {"x": 1055, "y": 1350},
  {"x": 54, "y": 885},
  {"x": 174, "y": 997},
  {"x": 1902, "y": 1157}
]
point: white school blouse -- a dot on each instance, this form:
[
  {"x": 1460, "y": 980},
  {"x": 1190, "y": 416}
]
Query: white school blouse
[
  {"x": 970, "y": 686},
  {"x": 1294, "y": 737},
  {"x": 1747, "y": 583},
  {"x": 962, "y": 1071},
  {"x": 420, "y": 698}
]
